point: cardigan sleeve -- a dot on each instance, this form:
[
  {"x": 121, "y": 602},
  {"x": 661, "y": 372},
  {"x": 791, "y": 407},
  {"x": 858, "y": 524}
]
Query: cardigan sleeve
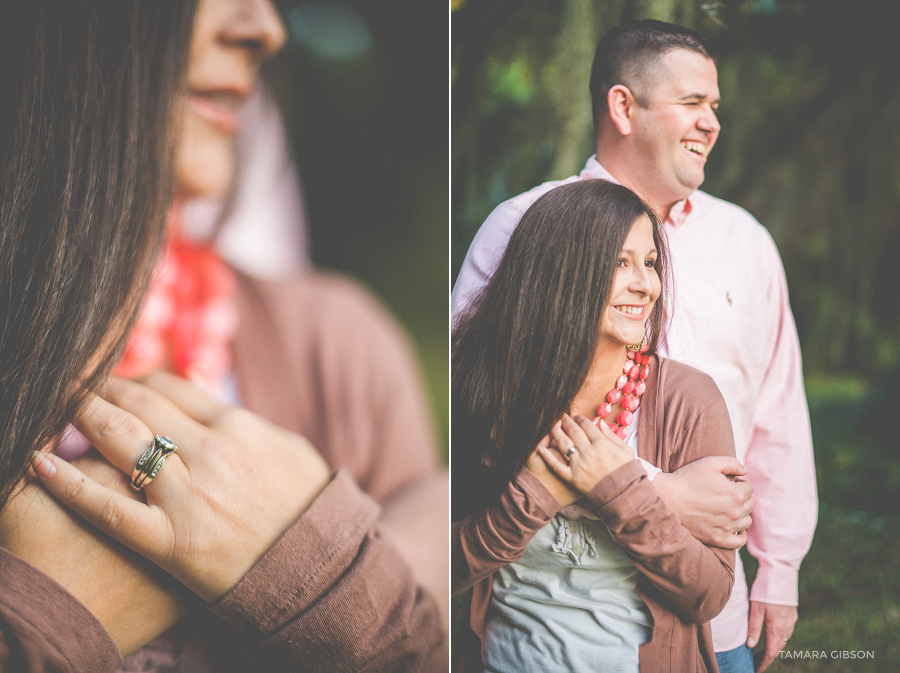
[
  {"x": 318, "y": 355},
  {"x": 483, "y": 543},
  {"x": 331, "y": 595},
  {"x": 696, "y": 579},
  {"x": 44, "y": 628},
  {"x": 334, "y": 595}
]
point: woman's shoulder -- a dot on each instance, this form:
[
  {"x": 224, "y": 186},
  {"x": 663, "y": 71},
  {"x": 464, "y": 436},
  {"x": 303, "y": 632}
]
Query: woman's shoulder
[
  {"x": 686, "y": 384},
  {"x": 330, "y": 305},
  {"x": 326, "y": 293}
]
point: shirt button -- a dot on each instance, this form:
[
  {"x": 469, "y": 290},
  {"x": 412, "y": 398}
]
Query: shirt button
[
  {"x": 679, "y": 352},
  {"x": 573, "y": 527},
  {"x": 576, "y": 549}
]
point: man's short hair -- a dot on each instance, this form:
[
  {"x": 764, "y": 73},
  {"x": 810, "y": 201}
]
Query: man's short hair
[{"x": 628, "y": 53}]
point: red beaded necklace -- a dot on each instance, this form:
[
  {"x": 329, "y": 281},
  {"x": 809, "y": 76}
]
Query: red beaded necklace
[
  {"x": 189, "y": 317},
  {"x": 630, "y": 386}
]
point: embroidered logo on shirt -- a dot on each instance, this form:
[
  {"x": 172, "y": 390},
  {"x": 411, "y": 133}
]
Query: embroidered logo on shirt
[{"x": 573, "y": 539}]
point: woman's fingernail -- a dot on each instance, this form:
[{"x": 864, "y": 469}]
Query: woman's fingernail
[{"x": 43, "y": 464}]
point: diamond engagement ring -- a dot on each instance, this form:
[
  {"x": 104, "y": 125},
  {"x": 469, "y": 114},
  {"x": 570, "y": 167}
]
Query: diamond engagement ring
[{"x": 152, "y": 461}]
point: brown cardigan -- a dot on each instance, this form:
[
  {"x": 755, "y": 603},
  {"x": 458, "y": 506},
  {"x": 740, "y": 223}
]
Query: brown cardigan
[
  {"x": 316, "y": 355},
  {"x": 684, "y": 583}
]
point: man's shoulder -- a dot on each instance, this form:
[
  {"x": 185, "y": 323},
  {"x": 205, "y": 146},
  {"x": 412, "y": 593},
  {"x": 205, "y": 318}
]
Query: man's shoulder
[
  {"x": 495, "y": 232},
  {"x": 732, "y": 221},
  {"x": 707, "y": 204},
  {"x": 512, "y": 209}
]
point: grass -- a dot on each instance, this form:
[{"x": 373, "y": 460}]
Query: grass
[
  {"x": 849, "y": 581},
  {"x": 849, "y": 594}
]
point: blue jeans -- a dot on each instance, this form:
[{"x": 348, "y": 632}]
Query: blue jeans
[{"x": 738, "y": 660}]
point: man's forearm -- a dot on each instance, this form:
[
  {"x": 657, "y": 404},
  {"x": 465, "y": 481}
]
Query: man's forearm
[{"x": 711, "y": 500}]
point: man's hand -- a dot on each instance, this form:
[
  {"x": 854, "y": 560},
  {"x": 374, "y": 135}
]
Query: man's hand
[
  {"x": 779, "y": 621},
  {"x": 711, "y": 500}
]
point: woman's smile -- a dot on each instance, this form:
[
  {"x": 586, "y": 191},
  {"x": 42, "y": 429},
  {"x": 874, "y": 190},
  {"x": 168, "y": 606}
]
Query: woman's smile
[
  {"x": 631, "y": 311},
  {"x": 635, "y": 289}
]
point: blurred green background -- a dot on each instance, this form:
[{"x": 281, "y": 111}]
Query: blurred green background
[
  {"x": 363, "y": 87},
  {"x": 811, "y": 146}
]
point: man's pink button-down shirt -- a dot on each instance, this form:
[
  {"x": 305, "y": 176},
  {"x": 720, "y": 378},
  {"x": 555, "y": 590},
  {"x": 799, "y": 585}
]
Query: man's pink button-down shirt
[{"x": 731, "y": 319}]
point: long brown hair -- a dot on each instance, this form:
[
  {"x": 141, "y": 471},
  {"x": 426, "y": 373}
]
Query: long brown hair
[
  {"x": 87, "y": 104},
  {"x": 525, "y": 346}
]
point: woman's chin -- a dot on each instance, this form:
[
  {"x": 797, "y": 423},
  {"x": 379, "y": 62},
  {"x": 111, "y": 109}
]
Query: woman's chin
[
  {"x": 212, "y": 185},
  {"x": 205, "y": 169}
]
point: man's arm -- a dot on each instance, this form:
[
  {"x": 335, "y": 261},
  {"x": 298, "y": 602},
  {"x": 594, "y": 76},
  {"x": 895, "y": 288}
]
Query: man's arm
[
  {"x": 711, "y": 498},
  {"x": 780, "y": 465}
]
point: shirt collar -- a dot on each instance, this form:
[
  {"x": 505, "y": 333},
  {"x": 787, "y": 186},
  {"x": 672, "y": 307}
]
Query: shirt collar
[{"x": 677, "y": 214}]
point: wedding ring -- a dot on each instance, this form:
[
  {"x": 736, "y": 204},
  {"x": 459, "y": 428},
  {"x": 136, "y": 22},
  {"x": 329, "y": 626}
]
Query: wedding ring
[
  {"x": 152, "y": 461},
  {"x": 572, "y": 449}
]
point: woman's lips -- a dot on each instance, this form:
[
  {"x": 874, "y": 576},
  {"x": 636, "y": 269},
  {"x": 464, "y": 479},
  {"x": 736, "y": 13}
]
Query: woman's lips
[
  {"x": 219, "y": 108},
  {"x": 637, "y": 315}
]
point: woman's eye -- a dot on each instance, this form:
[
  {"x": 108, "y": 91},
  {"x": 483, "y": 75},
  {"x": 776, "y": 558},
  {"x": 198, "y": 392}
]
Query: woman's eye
[
  {"x": 621, "y": 263},
  {"x": 650, "y": 263}
]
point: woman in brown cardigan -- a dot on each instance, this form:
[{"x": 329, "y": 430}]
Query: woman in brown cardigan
[
  {"x": 292, "y": 553},
  {"x": 575, "y": 562}
]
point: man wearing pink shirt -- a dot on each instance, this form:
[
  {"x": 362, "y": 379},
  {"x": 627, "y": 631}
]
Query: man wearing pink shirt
[{"x": 655, "y": 92}]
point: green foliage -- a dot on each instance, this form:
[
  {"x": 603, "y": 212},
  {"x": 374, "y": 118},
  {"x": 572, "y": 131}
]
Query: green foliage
[{"x": 857, "y": 456}]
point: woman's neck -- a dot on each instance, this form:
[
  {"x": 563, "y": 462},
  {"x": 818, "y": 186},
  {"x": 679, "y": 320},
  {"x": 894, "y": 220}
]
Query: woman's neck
[{"x": 605, "y": 369}]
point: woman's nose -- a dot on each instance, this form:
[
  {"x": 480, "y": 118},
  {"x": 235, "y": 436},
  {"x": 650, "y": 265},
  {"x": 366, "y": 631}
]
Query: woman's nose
[
  {"x": 640, "y": 282},
  {"x": 255, "y": 26}
]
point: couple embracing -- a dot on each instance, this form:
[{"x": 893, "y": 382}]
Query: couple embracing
[{"x": 627, "y": 388}]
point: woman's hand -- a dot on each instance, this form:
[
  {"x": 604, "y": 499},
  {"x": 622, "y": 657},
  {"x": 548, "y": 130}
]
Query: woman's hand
[
  {"x": 600, "y": 452},
  {"x": 233, "y": 487},
  {"x": 133, "y": 599},
  {"x": 561, "y": 490}
]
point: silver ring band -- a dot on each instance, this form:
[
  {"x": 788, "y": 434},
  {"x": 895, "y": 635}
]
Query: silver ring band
[
  {"x": 151, "y": 462},
  {"x": 572, "y": 449}
]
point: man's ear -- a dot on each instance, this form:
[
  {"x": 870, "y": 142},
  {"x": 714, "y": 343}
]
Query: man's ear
[{"x": 621, "y": 104}]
